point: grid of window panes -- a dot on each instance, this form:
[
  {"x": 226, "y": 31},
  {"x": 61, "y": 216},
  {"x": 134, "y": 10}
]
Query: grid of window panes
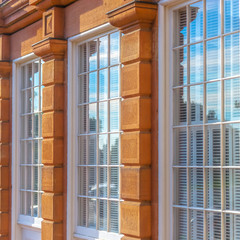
[
  {"x": 98, "y": 163},
  {"x": 206, "y": 126},
  {"x": 31, "y": 139}
]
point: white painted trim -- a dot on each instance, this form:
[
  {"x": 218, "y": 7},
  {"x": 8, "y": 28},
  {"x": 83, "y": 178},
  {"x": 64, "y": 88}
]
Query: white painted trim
[
  {"x": 171, "y": 2},
  {"x": 16, "y": 220},
  {"x": 71, "y": 123}
]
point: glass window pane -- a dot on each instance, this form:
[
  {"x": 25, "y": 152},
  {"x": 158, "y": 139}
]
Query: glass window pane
[
  {"x": 82, "y": 113},
  {"x": 232, "y": 226},
  {"x": 114, "y": 182},
  {"x": 92, "y": 181},
  {"x": 103, "y": 182},
  {"x": 180, "y": 66},
  {"x": 180, "y": 19},
  {"x": 103, "y": 211},
  {"x": 180, "y": 100},
  {"x": 196, "y": 63},
  {"x": 103, "y": 84},
  {"x": 82, "y": 181},
  {"x": 214, "y": 145},
  {"x": 92, "y": 215},
  {"x": 93, "y": 87},
  {"x": 114, "y": 82},
  {"x": 83, "y": 87},
  {"x": 23, "y": 77},
  {"x": 29, "y": 80},
  {"x": 114, "y": 149},
  {"x": 213, "y": 18},
  {"x": 232, "y": 99},
  {"x": 213, "y": 61},
  {"x": 232, "y": 189},
  {"x": 114, "y": 48},
  {"x": 232, "y": 55},
  {"x": 114, "y": 216},
  {"x": 92, "y": 118},
  {"x": 232, "y": 144},
  {"x": 213, "y": 188},
  {"x": 180, "y": 229},
  {"x": 92, "y": 150},
  {"x": 196, "y": 22},
  {"x": 231, "y": 15},
  {"x": 196, "y": 187},
  {"x": 213, "y": 226},
  {"x": 180, "y": 146},
  {"x": 103, "y": 51},
  {"x": 103, "y": 149},
  {"x": 83, "y": 58},
  {"x": 196, "y": 101},
  {"x": 36, "y": 73},
  {"x": 196, "y": 225},
  {"x": 114, "y": 115},
  {"x": 213, "y": 102},
  {"x": 82, "y": 212},
  {"x": 181, "y": 186},
  {"x": 36, "y": 126},
  {"x": 103, "y": 117},
  {"x": 92, "y": 52},
  {"x": 82, "y": 153},
  {"x": 196, "y": 147}
]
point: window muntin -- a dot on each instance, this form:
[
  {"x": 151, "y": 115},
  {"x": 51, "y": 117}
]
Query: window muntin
[
  {"x": 30, "y": 162},
  {"x": 98, "y": 109},
  {"x": 206, "y": 120}
]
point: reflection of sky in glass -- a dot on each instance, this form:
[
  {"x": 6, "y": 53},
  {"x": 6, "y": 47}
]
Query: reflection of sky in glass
[
  {"x": 93, "y": 87},
  {"x": 103, "y": 51},
  {"x": 231, "y": 55},
  {"x": 114, "y": 115},
  {"x": 114, "y": 82},
  {"x": 103, "y": 84},
  {"x": 231, "y": 15},
  {"x": 196, "y": 24},
  {"x": 181, "y": 61},
  {"x": 213, "y": 60},
  {"x": 103, "y": 116},
  {"x": 196, "y": 63},
  {"x": 92, "y": 117},
  {"x": 213, "y": 18},
  {"x": 114, "y": 48}
]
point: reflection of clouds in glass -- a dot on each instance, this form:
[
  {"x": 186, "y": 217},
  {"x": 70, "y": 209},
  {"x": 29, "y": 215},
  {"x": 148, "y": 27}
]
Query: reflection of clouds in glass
[
  {"x": 196, "y": 24},
  {"x": 196, "y": 63},
  {"x": 103, "y": 52},
  {"x": 114, "y": 82},
  {"x": 114, "y": 48},
  {"x": 103, "y": 84}
]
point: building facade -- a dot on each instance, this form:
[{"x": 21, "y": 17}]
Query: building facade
[{"x": 119, "y": 119}]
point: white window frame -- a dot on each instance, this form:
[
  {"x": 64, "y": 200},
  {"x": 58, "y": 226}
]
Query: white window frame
[
  {"x": 19, "y": 221},
  {"x": 72, "y": 229}
]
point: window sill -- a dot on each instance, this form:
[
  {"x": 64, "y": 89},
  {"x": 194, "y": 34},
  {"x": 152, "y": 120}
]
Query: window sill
[
  {"x": 83, "y": 233},
  {"x": 32, "y": 222}
]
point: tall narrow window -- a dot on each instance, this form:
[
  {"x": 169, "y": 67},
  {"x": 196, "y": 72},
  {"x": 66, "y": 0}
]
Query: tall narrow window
[
  {"x": 98, "y": 132},
  {"x": 206, "y": 120},
  {"x": 30, "y": 139}
]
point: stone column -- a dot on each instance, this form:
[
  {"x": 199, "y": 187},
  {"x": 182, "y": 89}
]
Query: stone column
[
  {"x": 52, "y": 51},
  {"x": 135, "y": 20},
  {"x": 5, "y": 131}
]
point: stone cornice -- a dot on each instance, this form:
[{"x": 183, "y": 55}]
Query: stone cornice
[
  {"x": 5, "y": 69},
  {"x": 50, "y": 48},
  {"x": 136, "y": 14},
  {"x": 17, "y": 14}
]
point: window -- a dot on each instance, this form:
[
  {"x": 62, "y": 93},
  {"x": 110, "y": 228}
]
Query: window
[
  {"x": 205, "y": 125},
  {"x": 30, "y": 139},
  {"x": 97, "y": 161}
]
